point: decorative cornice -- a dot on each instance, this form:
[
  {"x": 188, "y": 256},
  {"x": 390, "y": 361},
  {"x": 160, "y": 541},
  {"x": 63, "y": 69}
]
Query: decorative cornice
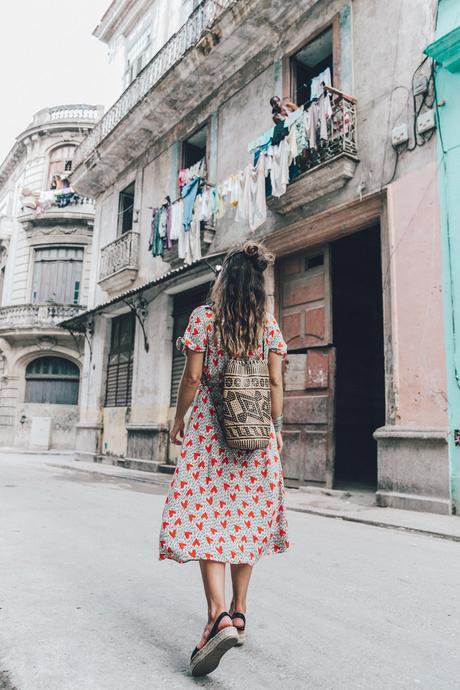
[{"x": 446, "y": 50}]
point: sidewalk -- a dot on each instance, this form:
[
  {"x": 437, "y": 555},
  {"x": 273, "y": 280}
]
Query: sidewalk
[{"x": 351, "y": 506}]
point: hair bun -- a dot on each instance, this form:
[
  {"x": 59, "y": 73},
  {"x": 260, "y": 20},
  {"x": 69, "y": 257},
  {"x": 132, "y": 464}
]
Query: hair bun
[{"x": 259, "y": 256}]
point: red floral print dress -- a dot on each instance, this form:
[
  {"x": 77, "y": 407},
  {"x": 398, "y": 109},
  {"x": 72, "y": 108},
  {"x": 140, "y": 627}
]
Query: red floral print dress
[{"x": 223, "y": 504}]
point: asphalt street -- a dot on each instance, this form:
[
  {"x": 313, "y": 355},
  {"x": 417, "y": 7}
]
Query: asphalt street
[{"x": 87, "y": 605}]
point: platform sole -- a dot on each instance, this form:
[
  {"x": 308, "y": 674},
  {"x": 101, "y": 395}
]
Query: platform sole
[
  {"x": 207, "y": 659},
  {"x": 241, "y": 638}
]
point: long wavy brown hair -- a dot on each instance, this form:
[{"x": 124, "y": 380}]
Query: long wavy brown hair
[{"x": 239, "y": 298}]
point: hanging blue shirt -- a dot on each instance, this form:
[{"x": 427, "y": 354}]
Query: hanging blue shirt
[{"x": 188, "y": 193}]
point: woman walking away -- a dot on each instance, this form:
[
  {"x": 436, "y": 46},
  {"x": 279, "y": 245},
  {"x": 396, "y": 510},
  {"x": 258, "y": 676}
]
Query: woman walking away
[{"x": 226, "y": 499}]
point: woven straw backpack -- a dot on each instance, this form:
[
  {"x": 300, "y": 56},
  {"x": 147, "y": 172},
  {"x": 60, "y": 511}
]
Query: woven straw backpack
[{"x": 247, "y": 403}]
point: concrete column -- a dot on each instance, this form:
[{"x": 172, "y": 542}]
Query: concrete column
[{"x": 92, "y": 390}]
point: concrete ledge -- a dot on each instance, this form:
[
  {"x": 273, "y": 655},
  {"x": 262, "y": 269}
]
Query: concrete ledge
[
  {"x": 413, "y": 468},
  {"x": 428, "y": 504}
]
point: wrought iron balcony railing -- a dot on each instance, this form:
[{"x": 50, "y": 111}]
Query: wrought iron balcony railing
[
  {"x": 122, "y": 253},
  {"x": 331, "y": 151},
  {"x": 202, "y": 18},
  {"x": 20, "y": 316}
]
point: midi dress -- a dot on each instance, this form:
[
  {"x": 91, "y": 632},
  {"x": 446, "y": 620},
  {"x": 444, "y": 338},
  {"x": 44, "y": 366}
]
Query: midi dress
[{"x": 223, "y": 504}]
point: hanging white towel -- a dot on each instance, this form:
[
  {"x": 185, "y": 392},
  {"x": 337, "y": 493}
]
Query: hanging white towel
[
  {"x": 252, "y": 205},
  {"x": 279, "y": 173},
  {"x": 324, "y": 114}
]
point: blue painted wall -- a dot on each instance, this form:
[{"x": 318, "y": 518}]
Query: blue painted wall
[{"x": 446, "y": 51}]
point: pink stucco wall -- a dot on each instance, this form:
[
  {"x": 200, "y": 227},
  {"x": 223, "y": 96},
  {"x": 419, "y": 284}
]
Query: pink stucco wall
[{"x": 416, "y": 299}]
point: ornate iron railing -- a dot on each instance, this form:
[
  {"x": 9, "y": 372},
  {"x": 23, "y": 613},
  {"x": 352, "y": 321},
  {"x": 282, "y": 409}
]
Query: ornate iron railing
[
  {"x": 202, "y": 18},
  {"x": 121, "y": 253},
  {"x": 340, "y": 132},
  {"x": 37, "y": 315}
]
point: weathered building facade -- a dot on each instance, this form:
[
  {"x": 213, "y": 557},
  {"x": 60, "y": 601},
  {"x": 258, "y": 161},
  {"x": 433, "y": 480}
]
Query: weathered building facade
[
  {"x": 45, "y": 242},
  {"x": 357, "y": 282}
]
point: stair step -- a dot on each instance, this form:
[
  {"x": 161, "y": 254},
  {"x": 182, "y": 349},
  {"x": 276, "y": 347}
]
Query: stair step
[{"x": 167, "y": 469}]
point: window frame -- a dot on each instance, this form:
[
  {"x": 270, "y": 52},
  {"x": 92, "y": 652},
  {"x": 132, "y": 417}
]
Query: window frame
[
  {"x": 65, "y": 170},
  {"x": 73, "y": 392},
  {"x": 120, "y": 211},
  {"x": 35, "y": 249},
  {"x": 205, "y": 126},
  {"x": 288, "y": 76}
]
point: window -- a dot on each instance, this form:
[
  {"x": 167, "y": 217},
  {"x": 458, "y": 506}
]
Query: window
[
  {"x": 57, "y": 275},
  {"x": 52, "y": 380},
  {"x": 184, "y": 304},
  {"x": 309, "y": 62},
  {"x": 120, "y": 366},
  {"x": 194, "y": 148},
  {"x": 137, "y": 56},
  {"x": 126, "y": 209},
  {"x": 60, "y": 162}
]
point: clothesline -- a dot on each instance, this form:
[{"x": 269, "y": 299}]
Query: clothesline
[{"x": 246, "y": 190}]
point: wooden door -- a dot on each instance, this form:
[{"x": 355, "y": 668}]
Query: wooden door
[{"x": 309, "y": 369}]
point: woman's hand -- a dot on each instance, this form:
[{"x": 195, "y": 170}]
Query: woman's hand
[
  {"x": 279, "y": 441},
  {"x": 177, "y": 428}
]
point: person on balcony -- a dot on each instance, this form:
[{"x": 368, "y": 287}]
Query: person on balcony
[
  {"x": 226, "y": 505},
  {"x": 281, "y": 109}
]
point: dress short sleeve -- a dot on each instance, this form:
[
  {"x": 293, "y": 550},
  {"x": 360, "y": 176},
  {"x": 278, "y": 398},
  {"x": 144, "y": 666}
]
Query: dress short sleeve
[
  {"x": 196, "y": 336},
  {"x": 273, "y": 337}
]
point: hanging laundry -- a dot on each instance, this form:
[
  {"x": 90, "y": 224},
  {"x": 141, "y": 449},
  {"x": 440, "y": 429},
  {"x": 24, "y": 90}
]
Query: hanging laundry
[
  {"x": 319, "y": 82},
  {"x": 264, "y": 140},
  {"x": 279, "y": 168},
  {"x": 292, "y": 143},
  {"x": 280, "y": 131},
  {"x": 168, "y": 225},
  {"x": 324, "y": 115},
  {"x": 235, "y": 185},
  {"x": 186, "y": 175},
  {"x": 192, "y": 244},
  {"x": 313, "y": 123},
  {"x": 252, "y": 206},
  {"x": 177, "y": 216},
  {"x": 156, "y": 245},
  {"x": 188, "y": 193}
]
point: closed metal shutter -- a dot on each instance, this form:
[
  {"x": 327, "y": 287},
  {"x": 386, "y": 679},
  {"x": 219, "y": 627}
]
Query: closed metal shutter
[
  {"x": 184, "y": 304},
  {"x": 120, "y": 365}
]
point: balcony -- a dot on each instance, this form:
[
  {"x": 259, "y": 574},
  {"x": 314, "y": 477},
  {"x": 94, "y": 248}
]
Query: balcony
[
  {"x": 328, "y": 167},
  {"x": 45, "y": 208},
  {"x": 215, "y": 46},
  {"x": 17, "y": 318},
  {"x": 119, "y": 262}
]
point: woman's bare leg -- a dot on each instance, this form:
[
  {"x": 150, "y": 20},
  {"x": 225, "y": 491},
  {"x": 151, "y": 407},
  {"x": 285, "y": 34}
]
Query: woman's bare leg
[
  {"x": 241, "y": 574},
  {"x": 213, "y": 576}
]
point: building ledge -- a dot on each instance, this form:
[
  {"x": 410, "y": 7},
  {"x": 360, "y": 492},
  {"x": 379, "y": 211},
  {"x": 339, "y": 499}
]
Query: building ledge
[
  {"x": 82, "y": 212},
  {"x": 323, "y": 179},
  {"x": 120, "y": 280},
  {"x": 446, "y": 50}
]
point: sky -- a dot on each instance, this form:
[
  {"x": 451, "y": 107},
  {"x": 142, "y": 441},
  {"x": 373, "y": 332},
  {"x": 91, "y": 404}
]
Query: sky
[{"x": 48, "y": 56}]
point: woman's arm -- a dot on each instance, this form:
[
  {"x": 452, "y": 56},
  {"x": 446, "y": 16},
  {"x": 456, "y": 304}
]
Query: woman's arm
[
  {"x": 188, "y": 387},
  {"x": 275, "y": 362}
]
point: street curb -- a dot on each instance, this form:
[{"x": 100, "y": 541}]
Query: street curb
[
  {"x": 141, "y": 480},
  {"x": 377, "y": 523},
  {"x": 308, "y": 511}
]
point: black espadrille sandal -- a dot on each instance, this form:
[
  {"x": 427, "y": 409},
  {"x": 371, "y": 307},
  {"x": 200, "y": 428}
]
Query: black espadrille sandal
[
  {"x": 241, "y": 631},
  {"x": 207, "y": 659}
]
